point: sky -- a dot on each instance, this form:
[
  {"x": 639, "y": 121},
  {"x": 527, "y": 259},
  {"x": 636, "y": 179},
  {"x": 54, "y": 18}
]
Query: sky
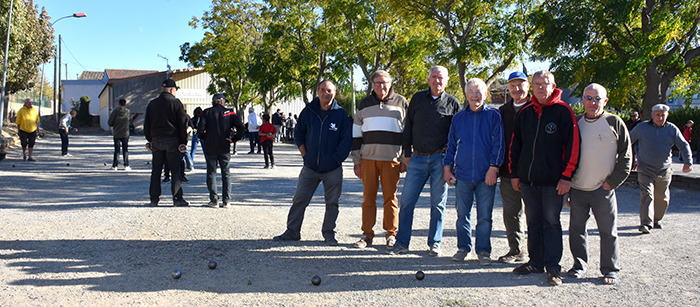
[{"x": 124, "y": 34}]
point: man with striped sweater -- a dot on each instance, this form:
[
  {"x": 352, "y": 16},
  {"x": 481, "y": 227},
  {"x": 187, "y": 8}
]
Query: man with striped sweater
[{"x": 376, "y": 153}]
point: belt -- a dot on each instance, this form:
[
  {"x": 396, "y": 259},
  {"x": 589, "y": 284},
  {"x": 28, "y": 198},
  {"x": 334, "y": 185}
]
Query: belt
[{"x": 427, "y": 153}]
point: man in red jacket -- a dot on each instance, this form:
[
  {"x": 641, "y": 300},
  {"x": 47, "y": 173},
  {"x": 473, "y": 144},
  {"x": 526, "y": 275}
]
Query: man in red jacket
[{"x": 544, "y": 154}]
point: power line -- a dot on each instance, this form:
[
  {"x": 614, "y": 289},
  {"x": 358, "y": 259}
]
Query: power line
[{"x": 71, "y": 53}]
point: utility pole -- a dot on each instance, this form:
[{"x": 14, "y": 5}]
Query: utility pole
[{"x": 4, "y": 70}]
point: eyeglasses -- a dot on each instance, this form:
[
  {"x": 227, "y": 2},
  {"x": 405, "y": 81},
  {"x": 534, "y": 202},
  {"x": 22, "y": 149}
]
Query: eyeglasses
[
  {"x": 596, "y": 98},
  {"x": 381, "y": 83}
]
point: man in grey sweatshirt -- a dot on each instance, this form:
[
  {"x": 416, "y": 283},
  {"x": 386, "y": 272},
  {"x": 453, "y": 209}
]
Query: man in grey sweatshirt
[{"x": 655, "y": 138}]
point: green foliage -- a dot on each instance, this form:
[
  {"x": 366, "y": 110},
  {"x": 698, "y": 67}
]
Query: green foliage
[
  {"x": 31, "y": 43},
  {"x": 681, "y": 116},
  {"x": 83, "y": 112},
  {"x": 636, "y": 49}
]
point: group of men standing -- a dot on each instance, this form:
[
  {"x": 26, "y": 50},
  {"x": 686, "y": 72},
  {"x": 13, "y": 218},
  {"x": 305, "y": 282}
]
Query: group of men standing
[{"x": 543, "y": 153}]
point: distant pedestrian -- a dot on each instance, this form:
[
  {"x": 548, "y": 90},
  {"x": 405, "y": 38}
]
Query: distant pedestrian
[
  {"x": 687, "y": 131},
  {"x": 655, "y": 138},
  {"x": 165, "y": 127},
  {"x": 219, "y": 127},
  {"x": 254, "y": 122},
  {"x": 195, "y": 136},
  {"x": 277, "y": 121},
  {"x": 63, "y": 128},
  {"x": 119, "y": 121},
  {"x": 324, "y": 137},
  {"x": 267, "y": 134},
  {"x": 290, "y": 127},
  {"x": 28, "y": 122}
]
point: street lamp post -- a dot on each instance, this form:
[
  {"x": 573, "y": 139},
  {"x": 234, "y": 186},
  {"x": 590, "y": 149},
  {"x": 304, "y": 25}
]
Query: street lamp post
[
  {"x": 4, "y": 70},
  {"x": 57, "y": 65}
]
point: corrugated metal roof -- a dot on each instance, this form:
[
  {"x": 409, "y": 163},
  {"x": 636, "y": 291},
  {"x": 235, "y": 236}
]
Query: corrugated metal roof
[
  {"x": 92, "y": 75},
  {"x": 126, "y": 73}
]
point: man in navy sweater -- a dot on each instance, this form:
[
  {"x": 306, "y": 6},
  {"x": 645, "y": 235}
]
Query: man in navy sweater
[{"x": 323, "y": 135}]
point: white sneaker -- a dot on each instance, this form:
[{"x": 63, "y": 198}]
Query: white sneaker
[
  {"x": 114, "y": 168},
  {"x": 127, "y": 168}
]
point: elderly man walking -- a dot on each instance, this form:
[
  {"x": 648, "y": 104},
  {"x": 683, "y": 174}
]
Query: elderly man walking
[
  {"x": 605, "y": 163},
  {"x": 424, "y": 142},
  {"x": 376, "y": 153},
  {"x": 654, "y": 139},
  {"x": 218, "y": 128},
  {"x": 324, "y": 138},
  {"x": 513, "y": 207},
  {"x": 544, "y": 154}
]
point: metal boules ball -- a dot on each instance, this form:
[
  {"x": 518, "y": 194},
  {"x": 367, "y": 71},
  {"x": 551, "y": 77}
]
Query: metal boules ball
[
  {"x": 420, "y": 275},
  {"x": 316, "y": 280},
  {"x": 177, "y": 274},
  {"x": 212, "y": 264}
]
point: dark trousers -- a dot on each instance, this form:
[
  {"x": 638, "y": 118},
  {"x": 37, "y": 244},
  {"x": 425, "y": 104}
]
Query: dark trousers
[
  {"x": 223, "y": 161},
  {"x": 124, "y": 144},
  {"x": 254, "y": 141},
  {"x": 163, "y": 149},
  {"x": 543, "y": 209},
  {"x": 64, "y": 141},
  {"x": 267, "y": 149}
]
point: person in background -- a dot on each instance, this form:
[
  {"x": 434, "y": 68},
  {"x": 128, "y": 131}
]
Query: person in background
[
  {"x": 63, "y": 128},
  {"x": 267, "y": 134},
  {"x": 119, "y": 121},
  {"x": 28, "y": 122}
]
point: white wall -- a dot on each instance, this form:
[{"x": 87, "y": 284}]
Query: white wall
[{"x": 76, "y": 88}]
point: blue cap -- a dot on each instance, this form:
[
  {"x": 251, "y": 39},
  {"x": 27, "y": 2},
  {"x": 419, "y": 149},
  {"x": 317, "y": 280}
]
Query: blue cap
[{"x": 516, "y": 75}]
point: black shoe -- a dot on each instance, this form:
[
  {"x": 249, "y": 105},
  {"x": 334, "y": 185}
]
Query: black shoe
[
  {"x": 180, "y": 202},
  {"x": 251, "y": 152},
  {"x": 184, "y": 179},
  {"x": 153, "y": 204},
  {"x": 331, "y": 241},
  {"x": 645, "y": 229},
  {"x": 554, "y": 278},
  {"x": 527, "y": 269},
  {"x": 285, "y": 237},
  {"x": 657, "y": 225},
  {"x": 166, "y": 179}
]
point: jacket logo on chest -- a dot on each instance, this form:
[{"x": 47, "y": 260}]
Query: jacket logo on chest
[
  {"x": 333, "y": 127},
  {"x": 550, "y": 128}
]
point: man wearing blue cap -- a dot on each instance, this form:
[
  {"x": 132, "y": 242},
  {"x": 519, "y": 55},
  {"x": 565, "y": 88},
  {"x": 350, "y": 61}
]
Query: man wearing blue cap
[{"x": 513, "y": 207}]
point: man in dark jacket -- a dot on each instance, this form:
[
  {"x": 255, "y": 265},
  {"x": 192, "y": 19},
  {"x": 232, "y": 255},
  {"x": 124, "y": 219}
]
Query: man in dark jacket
[
  {"x": 218, "y": 127},
  {"x": 323, "y": 135},
  {"x": 119, "y": 121},
  {"x": 513, "y": 208},
  {"x": 165, "y": 127},
  {"x": 277, "y": 121},
  {"x": 544, "y": 154}
]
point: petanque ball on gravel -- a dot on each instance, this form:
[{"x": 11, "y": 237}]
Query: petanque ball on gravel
[
  {"x": 420, "y": 275},
  {"x": 316, "y": 280},
  {"x": 212, "y": 264},
  {"x": 177, "y": 274},
  {"x": 67, "y": 164},
  {"x": 13, "y": 165},
  {"x": 105, "y": 164}
]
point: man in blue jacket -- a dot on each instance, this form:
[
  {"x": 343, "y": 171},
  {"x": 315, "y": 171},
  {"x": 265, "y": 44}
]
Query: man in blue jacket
[
  {"x": 474, "y": 153},
  {"x": 323, "y": 135}
]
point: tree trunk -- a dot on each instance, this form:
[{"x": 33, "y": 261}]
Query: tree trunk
[
  {"x": 653, "y": 94},
  {"x": 462, "y": 67}
]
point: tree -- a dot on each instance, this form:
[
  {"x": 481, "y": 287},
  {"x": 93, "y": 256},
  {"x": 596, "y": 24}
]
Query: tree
[
  {"x": 483, "y": 38},
  {"x": 637, "y": 49},
  {"x": 374, "y": 37},
  {"x": 234, "y": 31},
  {"x": 31, "y": 44}
]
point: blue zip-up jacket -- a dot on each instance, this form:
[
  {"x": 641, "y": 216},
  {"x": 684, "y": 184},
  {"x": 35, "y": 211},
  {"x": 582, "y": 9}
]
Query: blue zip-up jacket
[
  {"x": 328, "y": 140},
  {"x": 475, "y": 143}
]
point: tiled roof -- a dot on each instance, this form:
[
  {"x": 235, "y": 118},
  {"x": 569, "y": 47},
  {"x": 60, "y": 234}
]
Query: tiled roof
[
  {"x": 126, "y": 73},
  {"x": 92, "y": 75}
]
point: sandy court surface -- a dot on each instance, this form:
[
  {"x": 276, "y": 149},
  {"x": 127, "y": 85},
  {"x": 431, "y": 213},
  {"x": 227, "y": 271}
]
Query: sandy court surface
[{"x": 75, "y": 233}]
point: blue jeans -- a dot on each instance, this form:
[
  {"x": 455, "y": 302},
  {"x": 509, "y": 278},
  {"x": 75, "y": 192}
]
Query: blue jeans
[
  {"x": 543, "y": 209},
  {"x": 189, "y": 162},
  {"x": 122, "y": 144},
  {"x": 223, "y": 161},
  {"x": 466, "y": 192},
  {"x": 254, "y": 141},
  {"x": 419, "y": 170},
  {"x": 195, "y": 140}
]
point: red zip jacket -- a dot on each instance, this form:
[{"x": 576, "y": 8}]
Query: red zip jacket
[{"x": 545, "y": 143}]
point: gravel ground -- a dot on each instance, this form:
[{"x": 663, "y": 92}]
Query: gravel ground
[{"x": 75, "y": 233}]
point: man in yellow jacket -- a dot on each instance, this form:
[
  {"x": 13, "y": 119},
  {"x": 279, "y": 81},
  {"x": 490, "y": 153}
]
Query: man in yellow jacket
[{"x": 27, "y": 121}]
